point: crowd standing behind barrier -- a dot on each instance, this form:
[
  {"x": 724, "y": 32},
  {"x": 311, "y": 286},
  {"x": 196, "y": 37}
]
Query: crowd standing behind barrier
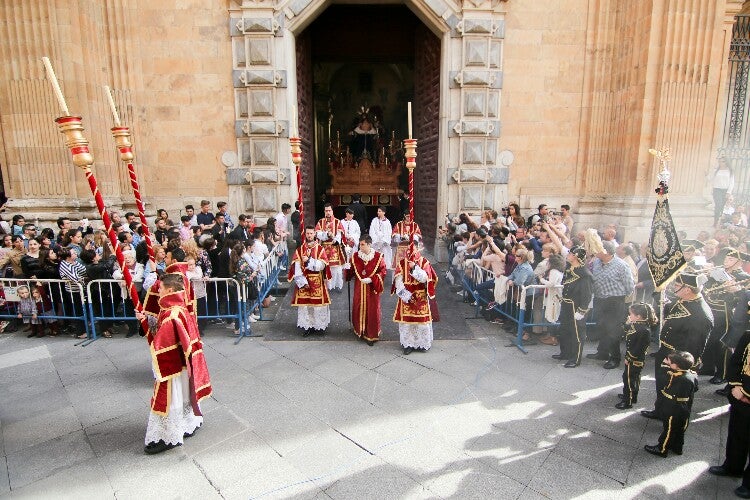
[{"x": 37, "y": 292}]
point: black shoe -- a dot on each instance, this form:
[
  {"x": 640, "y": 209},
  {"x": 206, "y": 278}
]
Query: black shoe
[
  {"x": 129, "y": 334},
  {"x": 717, "y": 380},
  {"x": 719, "y": 470},
  {"x": 370, "y": 343},
  {"x": 191, "y": 434},
  {"x": 650, "y": 414},
  {"x": 32, "y": 334},
  {"x": 408, "y": 350},
  {"x": 742, "y": 491},
  {"x": 154, "y": 448},
  {"x": 722, "y": 392},
  {"x": 654, "y": 450},
  {"x": 596, "y": 355},
  {"x": 623, "y": 405},
  {"x": 571, "y": 364},
  {"x": 557, "y": 356},
  {"x": 676, "y": 452},
  {"x": 621, "y": 396},
  {"x": 611, "y": 364},
  {"x": 306, "y": 332}
]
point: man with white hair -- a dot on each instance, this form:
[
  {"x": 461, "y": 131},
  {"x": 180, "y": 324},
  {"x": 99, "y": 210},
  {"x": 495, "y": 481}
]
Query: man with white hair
[{"x": 613, "y": 282}]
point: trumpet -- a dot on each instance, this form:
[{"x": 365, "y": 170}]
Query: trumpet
[{"x": 727, "y": 286}]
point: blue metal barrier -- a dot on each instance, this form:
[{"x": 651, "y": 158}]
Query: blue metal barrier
[
  {"x": 268, "y": 275},
  {"x": 64, "y": 301},
  {"x": 515, "y": 306},
  {"x": 107, "y": 303}
]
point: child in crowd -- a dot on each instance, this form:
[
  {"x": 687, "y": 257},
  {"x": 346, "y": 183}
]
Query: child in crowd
[
  {"x": 27, "y": 311},
  {"x": 637, "y": 337},
  {"x": 44, "y": 311},
  {"x": 675, "y": 407}
]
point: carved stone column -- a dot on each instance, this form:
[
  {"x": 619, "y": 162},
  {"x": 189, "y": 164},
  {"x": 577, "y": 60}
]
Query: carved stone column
[
  {"x": 660, "y": 90},
  {"x": 477, "y": 173}
]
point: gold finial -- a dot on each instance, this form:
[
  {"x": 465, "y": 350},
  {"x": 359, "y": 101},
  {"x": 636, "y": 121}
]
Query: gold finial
[{"x": 664, "y": 156}]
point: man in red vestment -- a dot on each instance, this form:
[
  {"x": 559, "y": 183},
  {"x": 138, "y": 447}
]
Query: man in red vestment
[
  {"x": 401, "y": 235},
  {"x": 179, "y": 367},
  {"x": 331, "y": 234},
  {"x": 309, "y": 269},
  {"x": 414, "y": 283},
  {"x": 367, "y": 267}
]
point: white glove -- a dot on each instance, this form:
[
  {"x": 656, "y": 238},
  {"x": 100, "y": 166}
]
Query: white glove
[
  {"x": 579, "y": 316},
  {"x": 397, "y": 238},
  {"x": 366, "y": 281},
  {"x": 348, "y": 265}
]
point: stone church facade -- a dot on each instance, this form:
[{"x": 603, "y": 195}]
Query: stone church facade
[{"x": 516, "y": 100}]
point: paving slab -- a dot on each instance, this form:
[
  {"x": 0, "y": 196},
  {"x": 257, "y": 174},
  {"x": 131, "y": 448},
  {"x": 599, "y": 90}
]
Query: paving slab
[
  {"x": 37, "y": 462},
  {"x": 4, "y": 480},
  {"x": 380, "y": 480},
  {"x": 29, "y": 432},
  {"x": 559, "y": 477},
  {"x": 86, "y": 480}
]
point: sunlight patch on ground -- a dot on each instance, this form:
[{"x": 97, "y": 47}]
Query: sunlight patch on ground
[
  {"x": 582, "y": 397},
  {"x": 711, "y": 413},
  {"x": 621, "y": 415},
  {"x": 672, "y": 481}
]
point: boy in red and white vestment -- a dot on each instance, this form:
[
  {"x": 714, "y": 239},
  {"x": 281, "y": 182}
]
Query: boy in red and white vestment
[
  {"x": 310, "y": 271},
  {"x": 414, "y": 283},
  {"x": 367, "y": 268},
  {"x": 332, "y": 236}
]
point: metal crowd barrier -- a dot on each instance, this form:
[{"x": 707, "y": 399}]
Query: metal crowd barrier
[
  {"x": 62, "y": 304},
  {"x": 104, "y": 301},
  {"x": 223, "y": 300},
  {"x": 266, "y": 280},
  {"x": 524, "y": 312}
]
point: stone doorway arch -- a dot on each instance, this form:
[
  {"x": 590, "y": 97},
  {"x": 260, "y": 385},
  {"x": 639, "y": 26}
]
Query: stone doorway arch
[{"x": 457, "y": 124}]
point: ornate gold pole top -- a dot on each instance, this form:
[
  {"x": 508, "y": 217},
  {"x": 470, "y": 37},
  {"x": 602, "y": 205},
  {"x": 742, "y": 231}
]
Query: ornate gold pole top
[{"x": 663, "y": 156}]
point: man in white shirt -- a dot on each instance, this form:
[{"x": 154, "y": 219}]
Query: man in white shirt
[
  {"x": 282, "y": 221},
  {"x": 381, "y": 232},
  {"x": 353, "y": 231}
]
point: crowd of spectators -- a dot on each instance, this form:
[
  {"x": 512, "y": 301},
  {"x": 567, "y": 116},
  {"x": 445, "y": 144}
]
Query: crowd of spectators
[
  {"x": 212, "y": 244},
  {"x": 496, "y": 255}
]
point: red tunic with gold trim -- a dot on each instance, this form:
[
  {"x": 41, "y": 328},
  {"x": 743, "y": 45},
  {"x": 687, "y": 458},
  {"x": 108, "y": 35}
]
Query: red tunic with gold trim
[
  {"x": 417, "y": 310},
  {"x": 316, "y": 292},
  {"x": 366, "y": 304},
  {"x": 404, "y": 231},
  {"x": 150, "y": 303},
  {"x": 175, "y": 346},
  {"x": 334, "y": 250}
]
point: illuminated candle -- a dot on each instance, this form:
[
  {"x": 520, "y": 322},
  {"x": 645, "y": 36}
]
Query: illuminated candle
[
  {"x": 408, "y": 116},
  {"x": 55, "y": 86},
  {"x": 294, "y": 131}
]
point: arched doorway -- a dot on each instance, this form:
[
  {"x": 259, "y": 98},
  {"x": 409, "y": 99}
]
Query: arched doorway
[{"x": 377, "y": 58}]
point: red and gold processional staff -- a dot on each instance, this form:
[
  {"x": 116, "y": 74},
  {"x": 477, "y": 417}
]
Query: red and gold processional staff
[
  {"x": 121, "y": 134},
  {"x": 72, "y": 129},
  {"x": 410, "y": 147}
]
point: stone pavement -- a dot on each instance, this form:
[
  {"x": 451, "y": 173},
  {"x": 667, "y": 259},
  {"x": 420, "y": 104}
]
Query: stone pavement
[{"x": 317, "y": 419}]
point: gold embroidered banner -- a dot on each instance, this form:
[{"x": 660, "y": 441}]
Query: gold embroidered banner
[{"x": 665, "y": 258}]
